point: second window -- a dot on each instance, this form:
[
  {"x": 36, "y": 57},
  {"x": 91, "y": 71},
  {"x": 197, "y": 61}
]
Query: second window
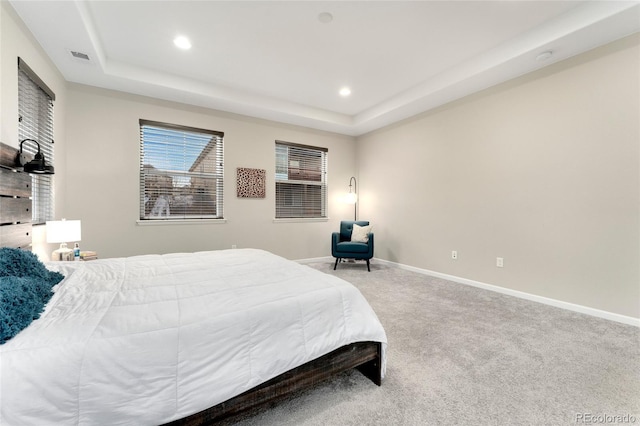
[{"x": 301, "y": 181}]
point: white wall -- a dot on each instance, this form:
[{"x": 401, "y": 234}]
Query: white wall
[
  {"x": 102, "y": 185},
  {"x": 16, "y": 41},
  {"x": 543, "y": 171}
]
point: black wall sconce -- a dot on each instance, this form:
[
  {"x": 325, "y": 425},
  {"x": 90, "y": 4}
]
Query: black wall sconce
[{"x": 38, "y": 164}]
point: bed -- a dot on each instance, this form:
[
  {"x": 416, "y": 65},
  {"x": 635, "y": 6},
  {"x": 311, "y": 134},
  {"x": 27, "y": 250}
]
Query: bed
[{"x": 183, "y": 338}]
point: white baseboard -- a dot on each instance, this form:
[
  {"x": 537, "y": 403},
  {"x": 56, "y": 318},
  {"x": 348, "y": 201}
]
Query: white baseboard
[
  {"x": 316, "y": 259},
  {"x": 522, "y": 295},
  {"x": 515, "y": 293}
]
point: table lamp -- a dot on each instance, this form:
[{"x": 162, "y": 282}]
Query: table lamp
[{"x": 63, "y": 231}]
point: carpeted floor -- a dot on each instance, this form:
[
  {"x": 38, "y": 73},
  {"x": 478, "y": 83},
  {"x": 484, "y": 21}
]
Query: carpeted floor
[{"x": 463, "y": 355}]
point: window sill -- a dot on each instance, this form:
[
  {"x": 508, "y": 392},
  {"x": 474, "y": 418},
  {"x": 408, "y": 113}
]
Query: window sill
[
  {"x": 301, "y": 219},
  {"x": 181, "y": 222}
]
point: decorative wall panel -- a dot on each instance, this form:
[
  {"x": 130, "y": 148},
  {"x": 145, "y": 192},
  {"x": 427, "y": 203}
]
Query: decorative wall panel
[{"x": 251, "y": 182}]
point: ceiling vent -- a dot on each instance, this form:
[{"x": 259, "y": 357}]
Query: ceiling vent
[{"x": 80, "y": 57}]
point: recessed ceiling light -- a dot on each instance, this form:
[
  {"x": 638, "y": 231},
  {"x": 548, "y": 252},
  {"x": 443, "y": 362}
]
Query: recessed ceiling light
[
  {"x": 544, "y": 55},
  {"x": 345, "y": 91},
  {"x": 325, "y": 17},
  {"x": 182, "y": 42}
]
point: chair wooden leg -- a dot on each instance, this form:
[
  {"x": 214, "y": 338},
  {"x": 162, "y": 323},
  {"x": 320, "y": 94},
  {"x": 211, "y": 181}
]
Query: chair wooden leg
[
  {"x": 336, "y": 264},
  {"x": 368, "y": 267}
]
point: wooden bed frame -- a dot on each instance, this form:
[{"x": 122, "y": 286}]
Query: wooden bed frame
[
  {"x": 15, "y": 231},
  {"x": 365, "y": 356}
]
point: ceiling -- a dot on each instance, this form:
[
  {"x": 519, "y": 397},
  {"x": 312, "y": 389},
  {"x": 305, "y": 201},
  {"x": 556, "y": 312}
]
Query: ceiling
[{"x": 277, "y": 60}]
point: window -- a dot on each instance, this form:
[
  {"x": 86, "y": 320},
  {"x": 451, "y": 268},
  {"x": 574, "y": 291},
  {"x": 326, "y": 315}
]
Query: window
[
  {"x": 181, "y": 172},
  {"x": 301, "y": 181},
  {"x": 35, "y": 121}
]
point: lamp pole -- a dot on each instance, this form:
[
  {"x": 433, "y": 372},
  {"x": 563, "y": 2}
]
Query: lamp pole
[{"x": 355, "y": 195}]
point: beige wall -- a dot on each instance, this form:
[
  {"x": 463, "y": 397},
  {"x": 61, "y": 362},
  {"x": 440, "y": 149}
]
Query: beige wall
[
  {"x": 96, "y": 180},
  {"x": 542, "y": 171},
  {"x": 102, "y": 184},
  {"x": 16, "y": 41}
]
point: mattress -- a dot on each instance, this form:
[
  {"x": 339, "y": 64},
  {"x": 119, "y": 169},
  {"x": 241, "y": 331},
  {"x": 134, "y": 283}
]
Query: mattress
[{"x": 151, "y": 339}]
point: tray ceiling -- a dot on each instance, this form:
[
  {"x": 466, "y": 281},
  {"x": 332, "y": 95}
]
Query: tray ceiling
[{"x": 287, "y": 60}]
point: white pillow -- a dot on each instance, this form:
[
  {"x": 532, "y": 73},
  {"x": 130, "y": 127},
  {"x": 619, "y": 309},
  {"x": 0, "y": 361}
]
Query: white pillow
[{"x": 360, "y": 234}]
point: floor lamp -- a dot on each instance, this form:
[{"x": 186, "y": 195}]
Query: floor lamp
[{"x": 352, "y": 197}]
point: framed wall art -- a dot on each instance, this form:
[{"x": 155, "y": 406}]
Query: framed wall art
[{"x": 250, "y": 183}]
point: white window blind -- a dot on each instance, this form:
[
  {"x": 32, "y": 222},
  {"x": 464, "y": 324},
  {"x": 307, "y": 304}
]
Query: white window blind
[
  {"x": 35, "y": 121},
  {"x": 301, "y": 181},
  {"x": 181, "y": 172}
]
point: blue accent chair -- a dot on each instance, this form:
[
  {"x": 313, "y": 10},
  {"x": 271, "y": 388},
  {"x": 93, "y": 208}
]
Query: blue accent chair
[{"x": 343, "y": 248}]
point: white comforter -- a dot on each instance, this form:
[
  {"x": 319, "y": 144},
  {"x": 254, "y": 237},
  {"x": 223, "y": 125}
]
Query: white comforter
[{"x": 150, "y": 339}]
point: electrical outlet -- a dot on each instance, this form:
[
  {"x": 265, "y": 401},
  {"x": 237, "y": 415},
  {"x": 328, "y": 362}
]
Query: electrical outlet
[
  {"x": 499, "y": 262},
  {"x": 233, "y": 246},
  {"x": 454, "y": 255}
]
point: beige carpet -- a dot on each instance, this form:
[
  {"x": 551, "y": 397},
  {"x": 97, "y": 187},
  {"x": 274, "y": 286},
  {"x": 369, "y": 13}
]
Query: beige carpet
[{"x": 463, "y": 355}]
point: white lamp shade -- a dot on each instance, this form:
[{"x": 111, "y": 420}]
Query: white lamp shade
[
  {"x": 351, "y": 198},
  {"x": 63, "y": 231}
]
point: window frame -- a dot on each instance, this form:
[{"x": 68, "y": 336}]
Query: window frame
[
  {"x": 215, "y": 145},
  {"x": 36, "y": 121},
  {"x": 304, "y": 176}
]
